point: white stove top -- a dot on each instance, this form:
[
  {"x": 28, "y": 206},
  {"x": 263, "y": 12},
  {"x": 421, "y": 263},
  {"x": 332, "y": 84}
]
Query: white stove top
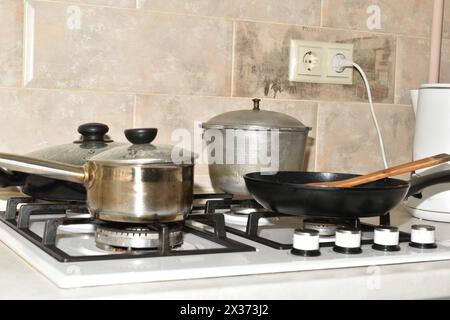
[{"x": 80, "y": 240}]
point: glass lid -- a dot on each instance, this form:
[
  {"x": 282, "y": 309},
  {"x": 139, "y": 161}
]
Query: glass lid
[
  {"x": 93, "y": 140},
  {"x": 256, "y": 119},
  {"x": 142, "y": 151}
]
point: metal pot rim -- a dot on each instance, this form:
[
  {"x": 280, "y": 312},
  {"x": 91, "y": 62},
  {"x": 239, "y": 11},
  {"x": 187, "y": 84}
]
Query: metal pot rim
[
  {"x": 141, "y": 162},
  {"x": 254, "y": 127}
]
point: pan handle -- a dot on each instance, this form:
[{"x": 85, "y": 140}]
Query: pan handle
[
  {"x": 420, "y": 183},
  {"x": 11, "y": 179},
  {"x": 49, "y": 169}
]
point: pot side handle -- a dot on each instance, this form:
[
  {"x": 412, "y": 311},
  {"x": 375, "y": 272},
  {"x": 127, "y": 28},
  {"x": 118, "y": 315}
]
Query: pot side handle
[{"x": 420, "y": 183}]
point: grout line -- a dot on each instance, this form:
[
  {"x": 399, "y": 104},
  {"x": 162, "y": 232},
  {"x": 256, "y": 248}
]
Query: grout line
[
  {"x": 233, "y": 48},
  {"x": 238, "y": 19},
  {"x": 74, "y": 90},
  {"x": 316, "y": 144},
  {"x": 396, "y": 72},
  {"x": 157, "y": 94},
  {"x": 24, "y": 45},
  {"x": 29, "y": 42},
  {"x": 69, "y": 2},
  {"x": 321, "y": 13},
  {"x": 135, "y": 111}
]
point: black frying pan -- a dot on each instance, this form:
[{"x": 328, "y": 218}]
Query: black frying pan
[{"x": 286, "y": 192}]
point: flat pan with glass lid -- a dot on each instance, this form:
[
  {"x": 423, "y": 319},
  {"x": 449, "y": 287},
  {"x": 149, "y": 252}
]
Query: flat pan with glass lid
[{"x": 93, "y": 141}]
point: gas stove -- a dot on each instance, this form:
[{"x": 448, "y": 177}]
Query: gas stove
[{"x": 221, "y": 237}]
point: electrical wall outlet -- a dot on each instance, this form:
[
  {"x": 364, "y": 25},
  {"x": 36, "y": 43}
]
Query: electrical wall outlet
[{"x": 310, "y": 61}]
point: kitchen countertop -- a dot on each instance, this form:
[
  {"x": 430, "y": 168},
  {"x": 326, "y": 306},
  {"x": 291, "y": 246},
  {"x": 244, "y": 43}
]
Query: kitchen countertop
[{"x": 405, "y": 281}]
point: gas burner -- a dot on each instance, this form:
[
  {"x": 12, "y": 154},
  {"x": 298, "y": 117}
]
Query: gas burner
[
  {"x": 238, "y": 215},
  {"x": 244, "y": 210},
  {"x": 326, "y": 228},
  {"x": 136, "y": 238}
]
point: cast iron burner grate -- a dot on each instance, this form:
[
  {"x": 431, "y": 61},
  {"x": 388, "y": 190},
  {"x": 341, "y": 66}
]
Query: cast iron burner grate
[
  {"x": 19, "y": 219},
  {"x": 221, "y": 201}
]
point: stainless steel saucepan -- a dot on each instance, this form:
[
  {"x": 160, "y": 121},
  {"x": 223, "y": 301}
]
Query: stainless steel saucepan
[{"x": 134, "y": 183}]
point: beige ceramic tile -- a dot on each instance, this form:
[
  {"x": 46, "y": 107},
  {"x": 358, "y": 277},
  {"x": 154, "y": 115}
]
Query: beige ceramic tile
[
  {"x": 305, "y": 12},
  {"x": 11, "y": 34},
  {"x": 445, "y": 62},
  {"x": 347, "y": 140},
  {"x": 413, "y": 63},
  {"x": 262, "y": 61},
  {"x": 33, "y": 119},
  {"x": 412, "y": 17},
  {"x": 412, "y": 69},
  {"x": 132, "y": 50},
  {"x": 112, "y": 3},
  {"x": 168, "y": 113}
]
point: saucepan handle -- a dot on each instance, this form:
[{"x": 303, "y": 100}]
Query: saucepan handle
[
  {"x": 45, "y": 168},
  {"x": 422, "y": 182}
]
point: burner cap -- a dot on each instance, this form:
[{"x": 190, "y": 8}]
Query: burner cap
[
  {"x": 324, "y": 227},
  {"x": 327, "y": 227},
  {"x": 113, "y": 238}
]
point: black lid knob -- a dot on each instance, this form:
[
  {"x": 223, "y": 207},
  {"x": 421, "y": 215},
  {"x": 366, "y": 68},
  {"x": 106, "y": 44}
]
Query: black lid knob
[
  {"x": 141, "y": 135},
  {"x": 256, "y": 102},
  {"x": 93, "y": 132}
]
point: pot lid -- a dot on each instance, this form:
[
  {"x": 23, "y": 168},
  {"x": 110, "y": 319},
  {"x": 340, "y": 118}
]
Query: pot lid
[
  {"x": 142, "y": 151},
  {"x": 93, "y": 140},
  {"x": 255, "y": 119}
]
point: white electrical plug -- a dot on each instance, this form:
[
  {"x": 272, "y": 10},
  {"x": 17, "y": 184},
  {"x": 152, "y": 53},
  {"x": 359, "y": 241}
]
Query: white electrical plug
[{"x": 339, "y": 63}]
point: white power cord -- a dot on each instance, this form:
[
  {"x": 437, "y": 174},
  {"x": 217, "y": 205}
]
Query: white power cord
[{"x": 340, "y": 63}]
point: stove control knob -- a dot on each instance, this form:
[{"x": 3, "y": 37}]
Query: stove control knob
[
  {"x": 306, "y": 243},
  {"x": 386, "y": 238},
  {"x": 348, "y": 240},
  {"x": 422, "y": 236}
]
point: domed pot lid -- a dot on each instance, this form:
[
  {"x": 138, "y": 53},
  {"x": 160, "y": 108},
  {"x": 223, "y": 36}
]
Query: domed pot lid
[
  {"x": 255, "y": 119},
  {"x": 142, "y": 151}
]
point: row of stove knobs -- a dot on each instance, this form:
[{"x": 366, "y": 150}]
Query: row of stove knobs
[{"x": 348, "y": 240}]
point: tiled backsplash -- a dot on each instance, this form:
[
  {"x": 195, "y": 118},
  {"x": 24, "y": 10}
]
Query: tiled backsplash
[
  {"x": 172, "y": 63},
  {"x": 262, "y": 63}
]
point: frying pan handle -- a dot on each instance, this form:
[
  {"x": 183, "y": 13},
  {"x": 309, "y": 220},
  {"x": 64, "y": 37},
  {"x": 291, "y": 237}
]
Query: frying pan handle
[
  {"x": 419, "y": 183},
  {"x": 11, "y": 179}
]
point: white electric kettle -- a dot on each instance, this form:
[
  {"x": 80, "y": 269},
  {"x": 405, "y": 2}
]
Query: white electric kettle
[{"x": 431, "y": 105}]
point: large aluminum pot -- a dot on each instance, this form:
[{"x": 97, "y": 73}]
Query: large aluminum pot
[
  {"x": 246, "y": 141},
  {"x": 135, "y": 183}
]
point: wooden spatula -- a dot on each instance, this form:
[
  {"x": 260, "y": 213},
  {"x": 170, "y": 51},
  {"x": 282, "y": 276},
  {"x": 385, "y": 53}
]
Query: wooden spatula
[{"x": 390, "y": 172}]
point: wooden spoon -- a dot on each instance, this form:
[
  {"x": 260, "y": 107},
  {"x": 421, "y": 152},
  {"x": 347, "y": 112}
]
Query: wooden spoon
[{"x": 390, "y": 172}]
